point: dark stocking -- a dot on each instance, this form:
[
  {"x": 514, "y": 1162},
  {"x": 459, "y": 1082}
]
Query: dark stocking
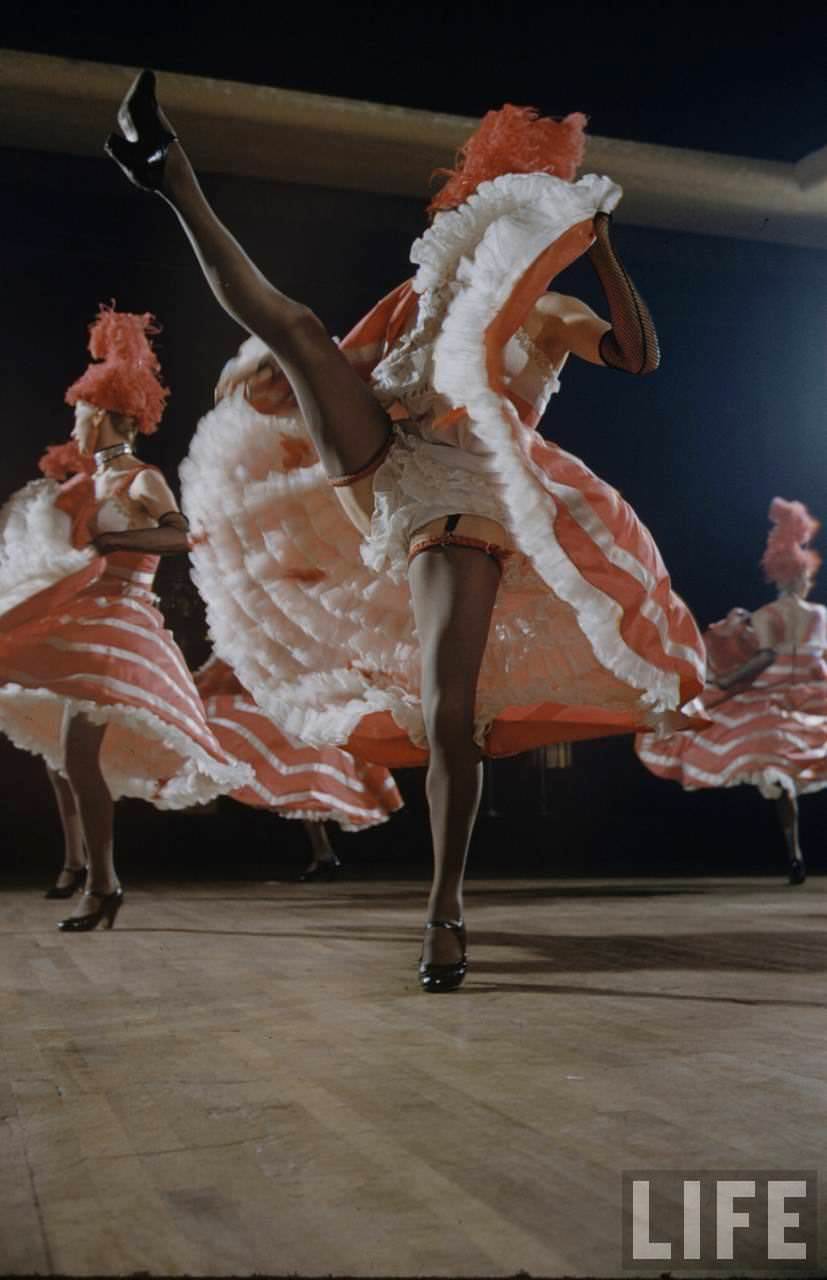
[
  {"x": 319, "y": 843},
  {"x": 787, "y": 810},
  {"x": 632, "y": 343},
  {"x": 453, "y": 590},
  {"x": 347, "y": 424},
  {"x": 74, "y": 854},
  {"x": 94, "y": 805}
]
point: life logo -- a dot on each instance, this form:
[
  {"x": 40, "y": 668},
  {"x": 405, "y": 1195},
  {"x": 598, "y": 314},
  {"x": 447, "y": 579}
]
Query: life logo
[{"x": 749, "y": 1220}]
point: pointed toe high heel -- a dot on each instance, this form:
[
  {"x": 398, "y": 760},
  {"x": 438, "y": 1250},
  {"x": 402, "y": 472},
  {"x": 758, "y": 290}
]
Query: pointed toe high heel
[
  {"x": 324, "y": 869},
  {"x": 142, "y": 150},
  {"x": 798, "y": 871},
  {"x": 78, "y": 875},
  {"x": 109, "y": 904},
  {"x": 444, "y": 977}
]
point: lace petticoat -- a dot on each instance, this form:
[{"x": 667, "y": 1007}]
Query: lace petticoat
[{"x": 420, "y": 481}]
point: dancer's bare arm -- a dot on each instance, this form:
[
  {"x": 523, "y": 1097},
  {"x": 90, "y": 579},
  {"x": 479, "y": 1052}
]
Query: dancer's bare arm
[
  {"x": 747, "y": 671},
  {"x": 568, "y": 327}
]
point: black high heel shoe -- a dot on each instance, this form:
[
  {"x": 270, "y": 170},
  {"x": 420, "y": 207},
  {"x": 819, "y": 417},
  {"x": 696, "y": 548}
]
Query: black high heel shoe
[
  {"x": 68, "y": 890},
  {"x": 326, "y": 869},
  {"x": 798, "y": 871},
  {"x": 110, "y": 905},
  {"x": 142, "y": 151},
  {"x": 444, "y": 977}
]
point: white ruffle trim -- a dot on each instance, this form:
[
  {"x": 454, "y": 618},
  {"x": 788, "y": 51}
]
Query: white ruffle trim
[
  {"x": 199, "y": 779},
  {"x": 513, "y": 210},
  {"x": 256, "y": 523},
  {"x": 510, "y": 245},
  {"x": 321, "y": 655},
  {"x": 35, "y": 544},
  {"x": 416, "y": 484}
]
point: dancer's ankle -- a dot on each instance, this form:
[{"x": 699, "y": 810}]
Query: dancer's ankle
[
  {"x": 446, "y": 905},
  {"x": 102, "y": 885}
]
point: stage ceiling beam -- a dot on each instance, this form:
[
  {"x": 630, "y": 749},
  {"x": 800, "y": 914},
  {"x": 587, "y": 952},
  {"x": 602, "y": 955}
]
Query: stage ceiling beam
[{"x": 67, "y": 105}]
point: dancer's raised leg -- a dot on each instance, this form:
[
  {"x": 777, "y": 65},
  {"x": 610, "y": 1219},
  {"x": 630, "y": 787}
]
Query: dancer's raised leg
[
  {"x": 453, "y": 590},
  {"x": 345, "y": 421}
]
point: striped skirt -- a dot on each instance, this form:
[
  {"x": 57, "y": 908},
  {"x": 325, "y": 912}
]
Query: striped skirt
[
  {"x": 295, "y": 781},
  {"x": 95, "y": 644}
]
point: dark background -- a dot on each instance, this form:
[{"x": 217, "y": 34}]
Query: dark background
[{"x": 735, "y": 415}]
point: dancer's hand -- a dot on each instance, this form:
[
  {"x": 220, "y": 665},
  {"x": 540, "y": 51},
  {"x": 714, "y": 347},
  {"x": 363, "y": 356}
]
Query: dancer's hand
[
  {"x": 245, "y": 368},
  {"x": 104, "y": 544},
  {"x": 264, "y": 384}
]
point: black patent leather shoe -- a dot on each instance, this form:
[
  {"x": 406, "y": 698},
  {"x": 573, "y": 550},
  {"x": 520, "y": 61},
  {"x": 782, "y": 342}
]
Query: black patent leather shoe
[
  {"x": 78, "y": 875},
  {"x": 142, "y": 150},
  {"x": 444, "y": 977},
  {"x": 798, "y": 871},
  {"x": 326, "y": 869},
  {"x": 109, "y": 904}
]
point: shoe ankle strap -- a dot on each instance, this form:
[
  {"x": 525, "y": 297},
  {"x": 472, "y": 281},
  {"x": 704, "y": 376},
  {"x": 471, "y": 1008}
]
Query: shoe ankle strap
[{"x": 457, "y": 926}]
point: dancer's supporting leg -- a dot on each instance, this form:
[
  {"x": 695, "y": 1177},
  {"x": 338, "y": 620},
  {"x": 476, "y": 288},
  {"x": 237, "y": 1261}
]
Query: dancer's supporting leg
[
  {"x": 323, "y": 864},
  {"x": 453, "y": 590},
  {"x": 82, "y": 745},
  {"x": 74, "y": 853},
  {"x": 787, "y": 809}
]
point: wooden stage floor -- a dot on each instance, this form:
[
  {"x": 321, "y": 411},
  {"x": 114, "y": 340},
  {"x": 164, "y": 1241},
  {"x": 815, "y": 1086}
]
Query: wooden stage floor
[{"x": 246, "y": 1078}]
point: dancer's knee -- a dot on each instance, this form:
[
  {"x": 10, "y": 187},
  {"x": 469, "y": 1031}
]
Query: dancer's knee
[
  {"x": 449, "y": 722},
  {"x": 297, "y": 328}
]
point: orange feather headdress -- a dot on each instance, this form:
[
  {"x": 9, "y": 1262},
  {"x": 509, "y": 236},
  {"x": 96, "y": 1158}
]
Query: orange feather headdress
[
  {"x": 513, "y": 140},
  {"x": 787, "y": 557},
  {"x": 123, "y": 376}
]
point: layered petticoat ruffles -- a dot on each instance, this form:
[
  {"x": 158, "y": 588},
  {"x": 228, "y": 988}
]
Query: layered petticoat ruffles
[
  {"x": 89, "y": 639},
  {"x": 295, "y": 781},
  {"x": 771, "y": 734},
  {"x": 587, "y": 637}
]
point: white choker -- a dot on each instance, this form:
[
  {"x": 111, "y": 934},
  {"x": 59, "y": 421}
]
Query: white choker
[{"x": 102, "y": 456}]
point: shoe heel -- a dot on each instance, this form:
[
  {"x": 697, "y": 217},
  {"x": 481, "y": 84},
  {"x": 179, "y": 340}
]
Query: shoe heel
[{"x": 111, "y": 910}]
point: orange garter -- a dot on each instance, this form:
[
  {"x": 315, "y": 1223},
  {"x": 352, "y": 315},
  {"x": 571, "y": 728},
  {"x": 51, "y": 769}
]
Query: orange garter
[
  {"x": 373, "y": 464},
  {"x": 498, "y": 553}
]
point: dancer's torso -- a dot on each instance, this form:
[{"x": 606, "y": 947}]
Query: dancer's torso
[
  {"x": 530, "y": 378},
  {"x": 102, "y": 504},
  {"x": 797, "y": 631},
  {"x": 791, "y": 625}
]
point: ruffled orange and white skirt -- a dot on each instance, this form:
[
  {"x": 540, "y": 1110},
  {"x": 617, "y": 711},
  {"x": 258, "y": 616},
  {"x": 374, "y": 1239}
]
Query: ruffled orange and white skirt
[
  {"x": 94, "y": 643},
  {"x": 587, "y": 637},
  {"x": 771, "y": 735},
  {"x": 295, "y": 781}
]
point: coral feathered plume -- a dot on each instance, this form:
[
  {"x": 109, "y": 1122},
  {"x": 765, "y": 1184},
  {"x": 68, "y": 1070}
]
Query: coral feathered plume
[
  {"x": 60, "y": 461},
  {"x": 123, "y": 377},
  {"x": 787, "y": 557},
  {"x": 513, "y": 140}
]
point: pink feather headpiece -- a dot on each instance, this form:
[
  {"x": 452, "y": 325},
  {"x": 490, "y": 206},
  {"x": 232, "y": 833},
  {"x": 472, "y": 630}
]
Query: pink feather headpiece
[
  {"x": 787, "y": 557},
  {"x": 513, "y": 140},
  {"x": 123, "y": 375}
]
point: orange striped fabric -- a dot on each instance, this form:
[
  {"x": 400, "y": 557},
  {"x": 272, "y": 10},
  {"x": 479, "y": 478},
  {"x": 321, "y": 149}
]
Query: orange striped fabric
[
  {"x": 94, "y": 643},
  {"x": 771, "y": 733},
  {"x": 294, "y": 781}
]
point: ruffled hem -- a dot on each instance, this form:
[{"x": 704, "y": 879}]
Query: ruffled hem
[
  {"x": 197, "y": 780},
  {"x": 35, "y": 544}
]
